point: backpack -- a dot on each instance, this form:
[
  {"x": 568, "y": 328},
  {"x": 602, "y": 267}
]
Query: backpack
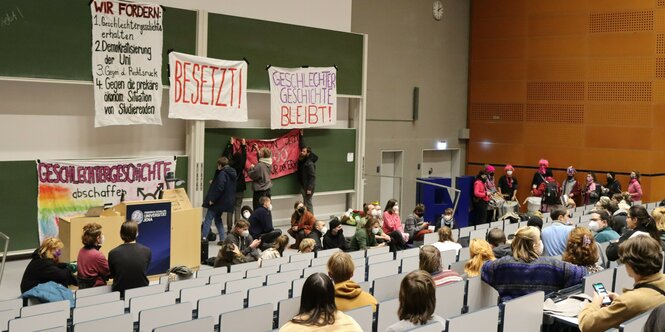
[{"x": 551, "y": 194}]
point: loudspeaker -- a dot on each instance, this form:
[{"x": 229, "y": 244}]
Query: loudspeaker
[{"x": 416, "y": 97}]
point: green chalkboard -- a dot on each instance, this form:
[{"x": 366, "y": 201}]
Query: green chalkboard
[
  {"x": 333, "y": 172},
  {"x": 18, "y": 198},
  {"x": 265, "y": 43},
  {"x": 52, "y": 39}
]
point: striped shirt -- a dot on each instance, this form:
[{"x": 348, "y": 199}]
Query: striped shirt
[{"x": 445, "y": 277}]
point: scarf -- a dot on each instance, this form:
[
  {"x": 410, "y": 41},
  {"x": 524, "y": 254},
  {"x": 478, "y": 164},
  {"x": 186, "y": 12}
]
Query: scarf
[
  {"x": 542, "y": 169},
  {"x": 267, "y": 161}
]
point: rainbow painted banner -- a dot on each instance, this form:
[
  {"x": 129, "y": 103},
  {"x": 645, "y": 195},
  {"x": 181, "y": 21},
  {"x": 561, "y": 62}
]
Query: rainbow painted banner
[{"x": 71, "y": 187}]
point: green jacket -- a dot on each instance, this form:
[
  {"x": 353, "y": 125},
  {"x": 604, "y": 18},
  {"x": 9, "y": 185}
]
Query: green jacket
[
  {"x": 361, "y": 240},
  {"x": 606, "y": 234}
]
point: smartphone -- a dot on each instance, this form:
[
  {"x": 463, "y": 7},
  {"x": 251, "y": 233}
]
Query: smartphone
[{"x": 600, "y": 289}]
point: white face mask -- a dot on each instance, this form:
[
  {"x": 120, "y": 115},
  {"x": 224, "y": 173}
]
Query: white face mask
[
  {"x": 594, "y": 226},
  {"x": 375, "y": 231},
  {"x": 246, "y": 214},
  {"x": 447, "y": 218},
  {"x": 324, "y": 230},
  {"x": 269, "y": 207},
  {"x": 396, "y": 208},
  {"x": 509, "y": 172},
  {"x": 244, "y": 233},
  {"x": 376, "y": 213},
  {"x": 101, "y": 239}
]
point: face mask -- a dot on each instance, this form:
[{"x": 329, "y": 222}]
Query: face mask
[
  {"x": 376, "y": 213},
  {"x": 420, "y": 215},
  {"x": 246, "y": 214},
  {"x": 301, "y": 210},
  {"x": 593, "y": 226},
  {"x": 324, "y": 230},
  {"x": 57, "y": 253},
  {"x": 244, "y": 233},
  {"x": 375, "y": 231},
  {"x": 447, "y": 218},
  {"x": 632, "y": 176},
  {"x": 509, "y": 172},
  {"x": 396, "y": 208},
  {"x": 101, "y": 239},
  {"x": 491, "y": 174},
  {"x": 539, "y": 249},
  {"x": 269, "y": 207},
  {"x": 484, "y": 177}
]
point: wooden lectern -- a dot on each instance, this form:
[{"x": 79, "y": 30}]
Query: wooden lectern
[{"x": 185, "y": 229}]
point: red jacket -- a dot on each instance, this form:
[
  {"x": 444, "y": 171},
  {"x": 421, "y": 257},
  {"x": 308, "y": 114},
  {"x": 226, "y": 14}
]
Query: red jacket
[
  {"x": 92, "y": 264},
  {"x": 306, "y": 222},
  {"x": 480, "y": 191},
  {"x": 540, "y": 190}
]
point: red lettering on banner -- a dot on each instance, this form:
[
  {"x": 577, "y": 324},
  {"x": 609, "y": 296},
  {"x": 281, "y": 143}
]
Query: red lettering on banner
[
  {"x": 312, "y": 117},
  {"x": 184, "y": 83},
  {"x": 285, "y": 151},
  {"x": 285, "y": 118},
  {"x": 104, "y": 6},
  {"x": 177, "y": 84},
  {"x": 219, "y": 93}
]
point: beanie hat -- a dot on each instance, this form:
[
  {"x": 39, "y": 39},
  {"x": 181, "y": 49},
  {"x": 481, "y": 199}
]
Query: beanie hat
[
  {"x": 334, "y": 223},
  {"x": 489, "y": 169},
  {"x": 509, "y": 167},
  {"x": 544, "y": 162}
]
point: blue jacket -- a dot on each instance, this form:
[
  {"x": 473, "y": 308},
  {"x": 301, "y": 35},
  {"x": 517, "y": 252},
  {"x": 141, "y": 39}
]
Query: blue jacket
[
  {"x": 260, "y": 222},
  {"x": 222, "y": 191},
  {"x": 50, "y": 292}
]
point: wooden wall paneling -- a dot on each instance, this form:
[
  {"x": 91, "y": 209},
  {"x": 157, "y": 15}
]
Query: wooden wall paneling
[
  {"x": 618, "y": 114},
  {"x": 658, "y": 93},
  {"x": 557, "y": 47},
  {"x": 499, "y": 27},
  {"x": 656, "y": 189},
  {"x": 557, "y": 7},
  {"x": 549, "y": 134},
  {"x": 659, "y": 19},
  {"x": 617, "y": 159},
  {"x": 493, "y": 8},
  {"x": 612, "y": 5},
  {"x": 622, "y": 44},
  {"x": 513, "y": 48},
  {"x": 634, "y": 138},
  {"x": 558, "y": 25},
  {"x": 497, "y": 132},
  {"x": 560, "y": 69},
  {"x": 507, "y": 69},
  {"x": 569, "y": 91},
  {"x": 497, "y": 112},
  {"x": 620, "y": 91},
  {"x": 497, "y": 91},
  {"x": 622, "y": 21},
  {"x": 495, "y": 152},
  {"x": 621, "y": 69}
]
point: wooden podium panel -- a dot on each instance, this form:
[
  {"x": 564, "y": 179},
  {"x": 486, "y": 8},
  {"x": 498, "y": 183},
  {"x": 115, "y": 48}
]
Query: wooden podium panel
[{"x": 185, "y": 232}]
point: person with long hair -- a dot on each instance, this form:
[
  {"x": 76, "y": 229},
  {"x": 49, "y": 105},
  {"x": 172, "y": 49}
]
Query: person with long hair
[
  {"x": 446, "y": 240},
  {"x": 481, "y": 198},
  {"x": 430, "y": 262},
  {"x": 480, "y": 252},
  {"x": 525, "y": 271},
  {"x": 92, "y": 266},
  {"x": 658, "y": 214},
  {"x": 392, "y": 223},
  {"x": 365, "y": 237},
  {"x": 638, "y": 222},
  {"x": 570, "y": 188},
  {"x": 635, "y": 187},
  {"x": 318, "y": 311},
  {"x": 45, "y": 266},
  {"x": 277, "y": 249},
  {"x": 591, "y": 192},
  {"x": 294, "y": 231},
  {"x": 581, "y": 250},
  {"x": 643, "y": 259},
  {"x": 229, "y": 254},
  {"x": 417, "y": 301}
]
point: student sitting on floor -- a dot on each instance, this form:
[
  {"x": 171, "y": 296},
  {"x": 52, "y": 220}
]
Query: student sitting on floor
[
  {"x": 229, "y": 254},
  {"x": 276, "y": 250}
]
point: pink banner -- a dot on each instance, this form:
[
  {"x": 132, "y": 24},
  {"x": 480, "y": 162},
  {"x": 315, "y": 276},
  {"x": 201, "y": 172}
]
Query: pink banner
[{"x": 285, "y": 151}]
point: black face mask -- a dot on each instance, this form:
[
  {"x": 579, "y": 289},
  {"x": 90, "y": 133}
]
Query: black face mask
[
  {"x": 301, "y": 210},
  {"x": 420, "y": 215}
]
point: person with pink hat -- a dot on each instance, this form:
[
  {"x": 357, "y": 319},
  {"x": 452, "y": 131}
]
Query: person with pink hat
[
  {"x": 508, "y": 184},
  {"x": 489, "y": 183},
  {"x": 540, "y": 176}
]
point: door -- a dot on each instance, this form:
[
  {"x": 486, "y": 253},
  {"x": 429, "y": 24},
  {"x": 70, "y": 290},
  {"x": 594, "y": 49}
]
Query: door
[
  {"x": 391, "y": 176},
  {"x": 437, "y": 163}
]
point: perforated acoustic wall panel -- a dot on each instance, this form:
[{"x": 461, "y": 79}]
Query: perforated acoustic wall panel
[
  {"x": 621, "y": 21},
  {"x": 588, "y": 73}
]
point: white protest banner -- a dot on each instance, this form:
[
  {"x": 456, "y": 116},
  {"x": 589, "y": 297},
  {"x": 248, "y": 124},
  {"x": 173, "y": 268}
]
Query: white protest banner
[
  {"x": 302, "y": 97},
  {"x": 207, "y": 89},
  {"x": 70, "y": 187},
  {"x": 127, "y": 62}
]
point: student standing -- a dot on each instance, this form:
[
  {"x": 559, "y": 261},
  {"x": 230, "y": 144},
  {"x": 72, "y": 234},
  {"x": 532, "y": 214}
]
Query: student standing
[
  {"x": 220, "y": 198},
  {"x": 260, "y": 175},
  {"x": 237, "y": 161},
  {"x": 307, "y": 175}
]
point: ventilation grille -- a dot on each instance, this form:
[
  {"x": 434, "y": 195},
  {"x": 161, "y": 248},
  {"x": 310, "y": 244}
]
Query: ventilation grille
[
  {"x": 555, "y": 113},
  {"x": 497, "y": 112},
  {"x": 661, "y": 3},
  {"x": 660, "y": 43},
  {"x": 618, "y": 115},
  {"x": 621, "y": 22},
  {"x": 619, "y": 91},
  {"x": 555, "y": 91},
  {"x": 660, "y": 67}
]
